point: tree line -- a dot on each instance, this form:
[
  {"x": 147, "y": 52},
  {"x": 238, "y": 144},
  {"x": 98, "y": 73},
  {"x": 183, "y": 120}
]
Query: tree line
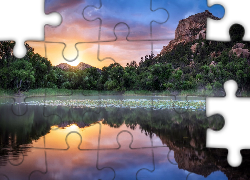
[{"x": 179, "y": 69}]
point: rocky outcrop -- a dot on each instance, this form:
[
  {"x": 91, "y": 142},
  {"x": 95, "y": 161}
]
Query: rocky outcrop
[
  {"x": 215, "y": 54},
  {"x": 80, "y": 66},
  {"x": 189, "y": 29},
  {"x": 64, "y": 66},
  {"x": 238, "y": 50},
  {"x": 193, "y": 47},
  {"x": 213, "y": 63},
  {"x": 83, "y": 66},
  {"x": 238, "y": 45}
]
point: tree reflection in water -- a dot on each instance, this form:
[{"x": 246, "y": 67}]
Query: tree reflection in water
[{"x": 185, "y": 134}]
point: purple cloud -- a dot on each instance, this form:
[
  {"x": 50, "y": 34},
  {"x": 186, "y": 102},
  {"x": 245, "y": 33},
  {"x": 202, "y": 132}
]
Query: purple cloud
[{"x": 59, "y": 5}]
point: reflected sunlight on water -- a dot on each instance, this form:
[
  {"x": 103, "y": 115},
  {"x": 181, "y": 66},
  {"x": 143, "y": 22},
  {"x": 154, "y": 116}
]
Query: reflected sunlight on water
[{"x": 75, "y": 143}]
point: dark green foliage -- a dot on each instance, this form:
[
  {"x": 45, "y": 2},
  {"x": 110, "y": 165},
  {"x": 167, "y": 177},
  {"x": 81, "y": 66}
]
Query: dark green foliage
[
  {"x": 32, "y": 71},
  {"x": 207, "y": 68}
]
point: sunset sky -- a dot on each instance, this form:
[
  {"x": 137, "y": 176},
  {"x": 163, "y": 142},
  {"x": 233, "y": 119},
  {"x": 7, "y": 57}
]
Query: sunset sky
[{"x": 136, "y": 14}]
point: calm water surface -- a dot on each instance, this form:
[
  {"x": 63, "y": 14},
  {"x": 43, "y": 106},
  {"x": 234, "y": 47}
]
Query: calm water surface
[{"x": 69, "y": 142}]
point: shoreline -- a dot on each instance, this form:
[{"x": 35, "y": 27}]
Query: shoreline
[
  {"x": 68, "y": 92},
  {"x": 155, "y": 104}
]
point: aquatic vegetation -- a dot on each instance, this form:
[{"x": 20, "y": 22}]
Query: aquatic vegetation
[{"x": 125, "y": 103}]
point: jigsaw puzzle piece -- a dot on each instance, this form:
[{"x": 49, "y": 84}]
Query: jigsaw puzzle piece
[
  {"x": 18, "y": 105},
  {"x": 75, "y": 112},
  {"x": 155, "y": 113},
  {"x": 69, "y": 103},
  {"x": 111, "y": 13},
  {"x": 56, "y": 138},
  {"x": 24, "y": 75},
  {"x": 33, "y": 30},
  {"x": 35, "y": 126},
  {"x": 185, "y": 137},
  {"x": 164, "y": 160},
  {"x": 38, "y": 47},
  {"x": 123, "y": 50},
  {"x": 15, "y": 126},
  {"x": 109, "y": 137},
  {"x": 161, "y": 112},
  {"x": 75, "y": 164},
  {"x": 224, "y": 138},
  {"x": 55, "y": 50},
  {"x": 21, "y": 103},
  {"x": 20, "y": 164},
  {"x": 87, "y": 54},
  {"x": 127, "y": 113},
  {"x": 180, "y": 105},
  {"x": 73, "y": 29},
  {"x": 230, "y": 18},
  {"x": 18, "y": 161},
  {"x": 130, "y": 163},
  {"x": 55, "y": 113},
  {"x": 102, "y": 53},
  {"x": 4, "y": 177}
]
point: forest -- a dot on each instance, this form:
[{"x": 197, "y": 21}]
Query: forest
[{"x": 205, "y": 69}]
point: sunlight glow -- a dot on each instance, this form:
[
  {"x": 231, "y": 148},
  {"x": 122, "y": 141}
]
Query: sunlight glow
[
  {"x": 54, "y": 127},
  {"x": 73, "y": 127},
  {"x": 74, "y": 63}
]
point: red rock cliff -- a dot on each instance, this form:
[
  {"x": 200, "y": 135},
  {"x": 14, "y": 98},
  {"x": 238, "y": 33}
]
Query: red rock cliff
[{"x": 189, "y": 29}]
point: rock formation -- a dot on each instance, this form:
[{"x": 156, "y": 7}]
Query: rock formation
[
  {"x": 193, "y": 47},
  {"x": 83, "y": 66},
  {"x": 80, "y": 66},
  {"x": 189, "y": 29},
  {"x": 64, "y": 66},
  {"x": 238, "y": 50}
]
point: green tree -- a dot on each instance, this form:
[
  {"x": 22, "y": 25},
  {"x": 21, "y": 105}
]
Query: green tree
[{"x": 22, "y": 74}]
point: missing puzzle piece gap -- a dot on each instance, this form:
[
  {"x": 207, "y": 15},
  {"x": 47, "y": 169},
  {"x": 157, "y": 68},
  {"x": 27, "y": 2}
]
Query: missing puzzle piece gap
[{"x": 226, "y": 138}]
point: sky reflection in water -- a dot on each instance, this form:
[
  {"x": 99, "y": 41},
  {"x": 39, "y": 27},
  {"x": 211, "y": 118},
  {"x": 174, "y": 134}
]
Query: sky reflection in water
[{"x": 58, "y": 162}]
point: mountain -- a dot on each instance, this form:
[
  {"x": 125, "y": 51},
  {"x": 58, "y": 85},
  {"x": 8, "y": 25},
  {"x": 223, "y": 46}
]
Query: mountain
[
  {"x": 80, "y": 66},
  {"x": 190, "y": 29}
]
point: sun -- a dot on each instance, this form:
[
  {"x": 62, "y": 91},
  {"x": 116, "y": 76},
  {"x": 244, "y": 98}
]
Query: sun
[
  {"x": 73, "y": 63},
  {"x": 72, "y": 127}
]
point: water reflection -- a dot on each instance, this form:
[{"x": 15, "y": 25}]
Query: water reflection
[{"x": 34, "y": 145}]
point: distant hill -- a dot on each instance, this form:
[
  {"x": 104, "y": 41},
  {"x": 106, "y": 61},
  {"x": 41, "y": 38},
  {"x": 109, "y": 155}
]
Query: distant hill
[{"x": 80, "y": 66}]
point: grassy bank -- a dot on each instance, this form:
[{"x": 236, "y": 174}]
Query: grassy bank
[
  {"x": 67, "y": 92},
  {"x": 4, "y": 92}
]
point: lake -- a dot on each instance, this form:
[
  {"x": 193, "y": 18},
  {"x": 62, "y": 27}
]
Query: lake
[{"x": 110, "y": 137}]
